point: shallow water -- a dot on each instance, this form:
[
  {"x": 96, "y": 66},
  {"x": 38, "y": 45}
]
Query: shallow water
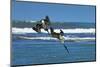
[
  {"x": 34, "y": 52},
  {"x": 29, "y": 47}
]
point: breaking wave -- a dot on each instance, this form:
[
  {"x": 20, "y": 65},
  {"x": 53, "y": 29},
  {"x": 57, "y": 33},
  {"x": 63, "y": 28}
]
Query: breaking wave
[
  {"x": 76, "y": 30},
  {"x": 51, "y": 38}
]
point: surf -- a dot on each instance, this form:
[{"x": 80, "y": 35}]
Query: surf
[
  {"x": 51, "y": 38},
  {"x": 76, "y": 30}
]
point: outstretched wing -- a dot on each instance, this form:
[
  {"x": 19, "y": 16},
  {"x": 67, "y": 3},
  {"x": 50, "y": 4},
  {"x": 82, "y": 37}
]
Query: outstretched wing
[{"x": 37, "y": 28}]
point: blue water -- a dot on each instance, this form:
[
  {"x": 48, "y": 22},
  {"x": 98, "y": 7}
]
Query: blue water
[
  {"x": 42, "y": 52},
  {"x": 38, "y": 51}
]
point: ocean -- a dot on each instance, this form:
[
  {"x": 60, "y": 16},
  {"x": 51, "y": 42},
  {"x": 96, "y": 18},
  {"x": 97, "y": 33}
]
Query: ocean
[{"x": 32, "y": 48}]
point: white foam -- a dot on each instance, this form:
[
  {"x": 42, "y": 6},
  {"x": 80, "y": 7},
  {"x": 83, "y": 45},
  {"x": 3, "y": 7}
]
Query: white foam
[
  {"x": 29, "y": 30},
  {"x": 51, "y": 38}
]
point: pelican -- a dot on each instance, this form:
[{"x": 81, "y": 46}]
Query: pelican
[
  {"x": 59, "y": 36},
  {"x": 44, "y": 23}
]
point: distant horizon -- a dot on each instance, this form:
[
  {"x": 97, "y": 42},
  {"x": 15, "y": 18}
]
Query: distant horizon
[
  {"x": 34, "y": 11},
  {"x": 33, "y": 21}
]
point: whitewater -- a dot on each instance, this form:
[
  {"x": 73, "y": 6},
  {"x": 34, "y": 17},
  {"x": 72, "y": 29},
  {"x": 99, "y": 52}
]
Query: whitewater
[{"x": 29, "y": 30}]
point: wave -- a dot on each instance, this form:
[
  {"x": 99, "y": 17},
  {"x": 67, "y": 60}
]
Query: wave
[
  {"x": 51, "y": 38},
  {"x": 76, "y": 30}
]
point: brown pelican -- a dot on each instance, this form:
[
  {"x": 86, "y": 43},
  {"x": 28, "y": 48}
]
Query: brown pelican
[
  {"x": 44, "y": 23},
  {"x": 59, "y": 36}
]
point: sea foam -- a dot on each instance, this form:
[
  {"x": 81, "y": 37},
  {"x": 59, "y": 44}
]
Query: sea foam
[
  {"x": 51, "y": 38},
  {"x": 29, "y": 30}
]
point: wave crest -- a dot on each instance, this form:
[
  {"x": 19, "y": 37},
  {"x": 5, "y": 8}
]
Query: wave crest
[
  {"x": 51, "y": 38},
  {"x": 29, "y": 30}
]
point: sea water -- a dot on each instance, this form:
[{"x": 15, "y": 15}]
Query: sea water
[{"x": 30, "y": 47}]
